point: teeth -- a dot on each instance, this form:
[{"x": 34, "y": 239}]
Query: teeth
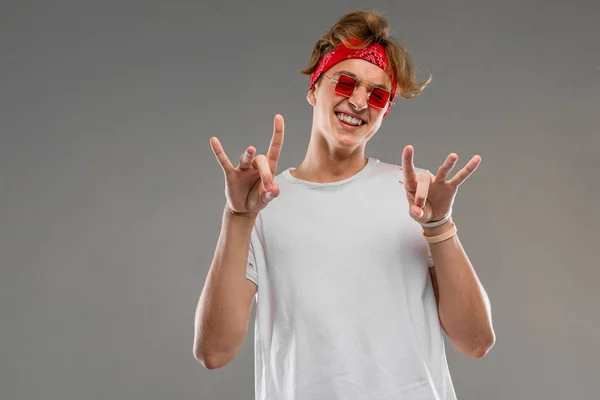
[{"x": 348, "y": 119}]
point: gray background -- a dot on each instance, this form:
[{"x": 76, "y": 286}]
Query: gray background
[{"x": 111, "y": 199}]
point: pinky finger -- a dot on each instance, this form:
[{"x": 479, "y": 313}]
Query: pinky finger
[{"x": 220, "y": 155}]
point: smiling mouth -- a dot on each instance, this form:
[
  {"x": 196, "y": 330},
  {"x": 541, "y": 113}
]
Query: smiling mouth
[{"x": 349, "y": 120}]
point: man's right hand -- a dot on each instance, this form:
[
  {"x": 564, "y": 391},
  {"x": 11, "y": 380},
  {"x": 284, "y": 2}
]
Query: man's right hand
[{"x": 247, "y": 187}]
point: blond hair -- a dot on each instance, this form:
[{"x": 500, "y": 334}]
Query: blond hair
[{"x": 370, "y": 27}]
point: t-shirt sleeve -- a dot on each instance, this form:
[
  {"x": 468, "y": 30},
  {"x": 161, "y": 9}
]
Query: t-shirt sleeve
[{"x": 251, "y": 267}]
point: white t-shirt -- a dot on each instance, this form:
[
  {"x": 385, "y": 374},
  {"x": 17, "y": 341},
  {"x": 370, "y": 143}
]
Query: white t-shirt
[{"x": 345, "y": 308}]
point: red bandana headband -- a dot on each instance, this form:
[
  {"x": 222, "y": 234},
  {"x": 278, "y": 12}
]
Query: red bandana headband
[{"x": 374, "y": 53}]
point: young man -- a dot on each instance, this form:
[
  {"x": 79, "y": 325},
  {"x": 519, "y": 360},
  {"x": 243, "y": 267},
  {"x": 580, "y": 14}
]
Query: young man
[{"x": 356, "y": 266}]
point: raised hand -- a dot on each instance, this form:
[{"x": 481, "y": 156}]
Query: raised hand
[
  {"x": 431, "y": 197},
  {"x": 250, "y": 187}
]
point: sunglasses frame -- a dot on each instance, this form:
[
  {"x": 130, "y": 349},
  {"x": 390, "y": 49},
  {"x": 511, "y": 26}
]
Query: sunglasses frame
[{"x": 359, "y": 81}]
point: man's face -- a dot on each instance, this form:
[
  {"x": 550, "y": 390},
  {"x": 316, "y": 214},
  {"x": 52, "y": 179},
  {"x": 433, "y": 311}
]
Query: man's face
[{"x": 330, "y": 107}]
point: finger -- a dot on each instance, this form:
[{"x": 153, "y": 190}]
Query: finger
[
  {"x": 423, "y": 182},
  {"x": 408, "y": 167},
  {"x": 266, "y": 197},
  {"x": 261, "y": 163},
  {"x": 246, "y": 158},
  {"x": 220, "y": 154},
  {"x": 464, "y": 173},
  {"x": 276, "y": 142},
  {"x": 446, "y": 167}
]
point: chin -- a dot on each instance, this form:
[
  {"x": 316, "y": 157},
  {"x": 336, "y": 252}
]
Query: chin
[{"x": 346, "y": 138}]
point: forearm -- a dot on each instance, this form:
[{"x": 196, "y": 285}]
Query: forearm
[
  {"x": 223, "y": 307},
  {"x": 464, "y": 307}
]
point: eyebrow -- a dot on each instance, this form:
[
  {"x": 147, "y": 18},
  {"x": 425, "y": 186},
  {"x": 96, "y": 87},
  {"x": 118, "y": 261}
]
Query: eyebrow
[{"x": 384, "y": 87}]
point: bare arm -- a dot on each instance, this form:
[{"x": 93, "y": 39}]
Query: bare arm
[
  {"x": 464, "y": 308},
  {"x": 225, "y": 304},
  {"x": 224, "y": 307},
  {"x": 436, "y": 292},
  {"x": 463, "y": 305}
]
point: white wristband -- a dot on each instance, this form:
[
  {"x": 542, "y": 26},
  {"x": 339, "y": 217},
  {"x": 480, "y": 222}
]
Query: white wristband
[{"x": 438, "y": 223}]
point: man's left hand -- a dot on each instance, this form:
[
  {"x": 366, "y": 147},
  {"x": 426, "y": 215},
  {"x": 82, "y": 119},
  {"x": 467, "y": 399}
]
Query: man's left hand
[{"x": 430, "y": 197}]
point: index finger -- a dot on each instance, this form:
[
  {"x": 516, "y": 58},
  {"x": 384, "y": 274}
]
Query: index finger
[
  {"x": 407, "y": 165},
  {"x": 276, "y": 142}
]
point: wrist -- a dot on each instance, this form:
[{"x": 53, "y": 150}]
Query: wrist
[
  {"x": 251, "y": 216},
  {"x": 438, "y": 230}
]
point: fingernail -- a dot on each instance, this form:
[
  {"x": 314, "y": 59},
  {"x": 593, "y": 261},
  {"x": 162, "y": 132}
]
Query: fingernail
[
  {"x": 269, "y": 187},
  {"x": 269, "y": 196}
]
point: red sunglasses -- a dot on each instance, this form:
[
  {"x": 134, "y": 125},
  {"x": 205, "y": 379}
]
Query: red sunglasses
[{"x": 345, "y": 85}]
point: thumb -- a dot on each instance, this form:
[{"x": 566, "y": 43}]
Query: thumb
[{"x": 418, "y": 213}]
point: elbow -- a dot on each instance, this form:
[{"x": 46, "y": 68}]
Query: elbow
[
  {"x": 475, "y": 346},
  {"x": 483, "y": 346},
  {"x": 208, "y": 360},
  {"x": 480, "y": 352},
  {"x": 210, "y": 363}
]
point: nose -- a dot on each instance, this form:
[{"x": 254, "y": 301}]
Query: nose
[{"x": 359, "y": 98}]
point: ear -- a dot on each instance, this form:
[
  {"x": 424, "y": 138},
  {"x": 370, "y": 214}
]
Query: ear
[
  {"x": 310, "y": 97},
  {"x": 389, "y": 106}
]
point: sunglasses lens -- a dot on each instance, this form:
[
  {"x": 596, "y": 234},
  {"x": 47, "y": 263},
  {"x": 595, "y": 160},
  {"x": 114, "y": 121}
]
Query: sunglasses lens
[
  {"x": 345, "y": 85},
  {"x": 379, "y": 97}
]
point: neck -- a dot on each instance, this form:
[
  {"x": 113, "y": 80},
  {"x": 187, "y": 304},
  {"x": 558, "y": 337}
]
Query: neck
[{"x": 324, "y": 163}]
